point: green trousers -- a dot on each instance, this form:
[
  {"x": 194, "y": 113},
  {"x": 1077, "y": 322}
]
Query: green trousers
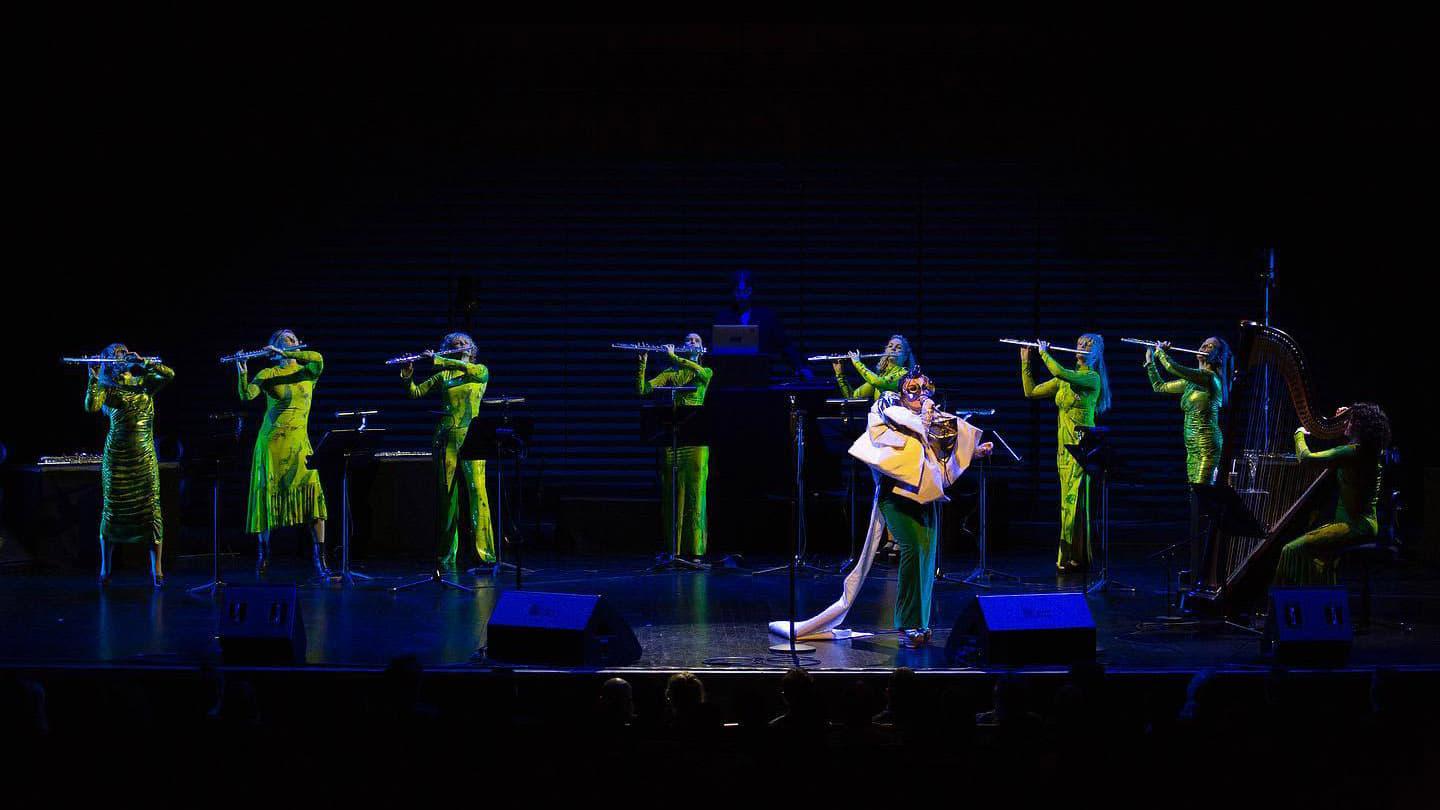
[
  {"x": 453, "y": 477},
  {"x": 913, "y": 527},
  {"x": 694, "y": 468}
]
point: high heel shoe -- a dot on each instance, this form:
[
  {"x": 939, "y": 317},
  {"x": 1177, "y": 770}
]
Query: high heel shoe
[
  {"x": 262, "y": 559},
  {"x": 157, "y": 580}
]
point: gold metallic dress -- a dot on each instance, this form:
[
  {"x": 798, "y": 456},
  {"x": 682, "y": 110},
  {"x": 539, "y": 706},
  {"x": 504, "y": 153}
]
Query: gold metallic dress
[{"x": 130, "y": 471}]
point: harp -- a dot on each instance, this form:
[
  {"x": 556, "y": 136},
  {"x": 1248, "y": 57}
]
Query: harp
[{"x": 1259, "y": 475}]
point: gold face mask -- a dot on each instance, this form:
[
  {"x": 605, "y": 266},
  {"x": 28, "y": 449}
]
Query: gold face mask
[{"x": 914, "y": 389}]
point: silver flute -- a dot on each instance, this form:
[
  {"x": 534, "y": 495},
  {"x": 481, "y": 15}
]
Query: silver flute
[
  {"x": 1155, "y": 344},
  {"x": 679, "y": 348},
  {"x": 251, "y": 355},
  {"x": 411, "y": 358},
  {"x": 106, "y": 361},
  {"x": 1035, "y": 345},
  {"x": 827, "y": 358}
]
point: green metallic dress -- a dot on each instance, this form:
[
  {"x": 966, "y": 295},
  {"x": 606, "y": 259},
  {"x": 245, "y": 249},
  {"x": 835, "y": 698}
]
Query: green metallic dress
[
  {"x": 462, "y": 386},
  {"x": 876, "y": 383},
  {"x": 284, "y": 491},
  {"x": 129, "y": 470},
  {"x": 1075, "y": 393},
  {"x": 693, "y": 462},
  {"x": 1311, "y": 558},
  {"x": 1200, "y": 401}
]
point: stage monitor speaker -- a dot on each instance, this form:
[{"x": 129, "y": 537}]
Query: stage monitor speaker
[
  {"x": 1308, "y": 626},
  {"x": 560, "y": 629},
  {"x": 1015, "y": 629},
  {"x": 261, "y": 626}
]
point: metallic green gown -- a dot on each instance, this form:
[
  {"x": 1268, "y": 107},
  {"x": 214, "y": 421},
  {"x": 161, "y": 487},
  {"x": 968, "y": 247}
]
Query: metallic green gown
[
  {"x": 1200, "y": 402},
  {"x": 693, "y": 462},
  {"x": 129, "y": 470},
  {"x": 284, "y": 491},
  {"x": 1310, "y": 559},
  {"x": 876, "y": 383},
  {"x": 1075, "y": 393},
  {"x": 462, "y": 386}
]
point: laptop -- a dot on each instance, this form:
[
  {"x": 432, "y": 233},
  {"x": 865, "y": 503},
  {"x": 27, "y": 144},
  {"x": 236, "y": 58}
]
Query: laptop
[{"x": 735, "y": 339}]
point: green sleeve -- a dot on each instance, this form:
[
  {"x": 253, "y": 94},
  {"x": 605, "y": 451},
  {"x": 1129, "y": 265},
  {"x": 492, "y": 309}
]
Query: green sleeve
[
  {"x": 312, "y": 362},
  {"x": 644, "y": 387},
  {"x": 685, "y": 362},
  {"x": 94, "y": 396},
  {"x": 1334, "y": 455},
  {"x": 1198, "y": 376},
  {"x": 1160, "y": 386},
  {"x": 889, "y": 381},
  {"x": 416, "y": 391},
  {"x": 474, "y": 372},
  {"x": 844, "y": 386},
  {"x": 1045, "y": 390},
  {"x": 157, "y": 377},
  {"x": 1087, "y": 380},
  {"x": 250, "y": 389}
]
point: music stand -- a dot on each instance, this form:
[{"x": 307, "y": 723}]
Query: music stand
[
  {"x": 663, "y": 426},
  {"x": 837, "y": 433},
  {"x": 802, "y": 532},
  {"x": 222, "y": 445},
  {"x": 1096, "y": 458},
  {"x": 495, "y": 437},
  {"x": 982, "y": 575},
  {"x": 343, "y": 444}
]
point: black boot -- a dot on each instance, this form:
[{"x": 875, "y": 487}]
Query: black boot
[{"x": 317, "y": 552}]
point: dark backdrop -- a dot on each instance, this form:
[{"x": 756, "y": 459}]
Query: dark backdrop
[{"x": 189, "y": 189}]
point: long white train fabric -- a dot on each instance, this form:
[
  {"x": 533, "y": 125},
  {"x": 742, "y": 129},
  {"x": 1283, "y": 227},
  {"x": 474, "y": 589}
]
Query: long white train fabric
[{"x": 895, "y": 444}]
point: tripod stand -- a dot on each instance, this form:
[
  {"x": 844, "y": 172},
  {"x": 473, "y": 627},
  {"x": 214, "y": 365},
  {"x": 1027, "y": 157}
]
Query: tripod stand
[
  {"x": 797, "y": 503},
  {"x": 658, "y": 423},
  {"x": 1096, "y": 458},
  {"x": 494, "y": 438},
  {"x": 344, "y": 444},
  {"x": 983, "y": 576},
  {"x": 224, "y": 443}
]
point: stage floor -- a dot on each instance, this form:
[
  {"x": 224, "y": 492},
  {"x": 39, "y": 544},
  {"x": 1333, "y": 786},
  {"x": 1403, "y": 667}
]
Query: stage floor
[{"x": 715, "y": 619}]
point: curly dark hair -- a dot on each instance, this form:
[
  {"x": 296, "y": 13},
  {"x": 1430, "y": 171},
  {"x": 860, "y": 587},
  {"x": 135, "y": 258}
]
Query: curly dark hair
[{"x": 1369, "y": 425}]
